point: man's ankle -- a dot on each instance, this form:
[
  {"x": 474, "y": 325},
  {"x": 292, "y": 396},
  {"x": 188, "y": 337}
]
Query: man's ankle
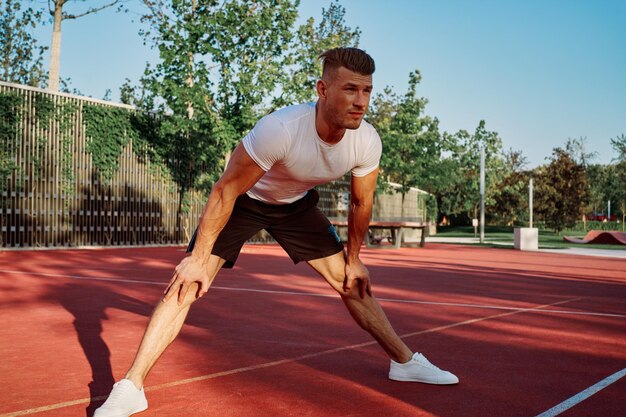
[
  {"x": 404, "y": 359},
  {"x": 138, "y": 382}
]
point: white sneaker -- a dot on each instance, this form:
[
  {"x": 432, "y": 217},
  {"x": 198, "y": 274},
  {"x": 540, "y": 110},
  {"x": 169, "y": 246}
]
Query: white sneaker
[
  {"x": 125, "y": 399},
  {"x": 418, "y": 369}
]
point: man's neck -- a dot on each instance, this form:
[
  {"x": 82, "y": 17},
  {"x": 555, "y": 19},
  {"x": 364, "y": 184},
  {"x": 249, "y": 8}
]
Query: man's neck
[{"x": 326, "y": 132}]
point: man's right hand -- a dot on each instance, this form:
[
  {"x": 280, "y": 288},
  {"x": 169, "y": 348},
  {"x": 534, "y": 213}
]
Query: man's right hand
[
  {"x": 356, "y": 272},
  {"x": 191, "y": 269}
]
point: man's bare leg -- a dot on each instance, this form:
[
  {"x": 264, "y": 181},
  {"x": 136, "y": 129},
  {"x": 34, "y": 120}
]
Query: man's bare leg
[
  {"x": 366, "y": 311},
  {"x": 405, "y": 365},
  {"x": 165, "y": 324}
]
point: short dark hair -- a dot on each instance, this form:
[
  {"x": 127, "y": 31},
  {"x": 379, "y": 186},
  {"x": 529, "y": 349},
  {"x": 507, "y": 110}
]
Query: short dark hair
[{"x": 354, "y": 59}]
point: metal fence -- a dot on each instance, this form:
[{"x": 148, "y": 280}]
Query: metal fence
[{"x": 44, "y": 205}]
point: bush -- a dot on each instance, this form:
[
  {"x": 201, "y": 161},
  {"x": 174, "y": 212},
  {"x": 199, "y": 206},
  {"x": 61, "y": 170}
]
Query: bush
[{"x": 596, "y": 225}]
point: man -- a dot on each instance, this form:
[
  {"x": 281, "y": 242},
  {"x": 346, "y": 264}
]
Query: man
[{"x": 268, "y": 185}]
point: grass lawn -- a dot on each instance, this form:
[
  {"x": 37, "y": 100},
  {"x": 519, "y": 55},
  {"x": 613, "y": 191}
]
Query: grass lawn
[{"x": 497, "y": 236}]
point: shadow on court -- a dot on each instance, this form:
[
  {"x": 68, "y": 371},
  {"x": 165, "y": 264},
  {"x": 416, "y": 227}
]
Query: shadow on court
[{"x": 89, "y": 304}]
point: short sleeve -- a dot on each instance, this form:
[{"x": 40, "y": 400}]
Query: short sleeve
[
  {"x": 268, "y": 142},
  {"x": 370, "y": 155}
]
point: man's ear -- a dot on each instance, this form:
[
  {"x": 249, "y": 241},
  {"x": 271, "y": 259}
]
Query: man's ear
[{"x": 321, "y": 88}]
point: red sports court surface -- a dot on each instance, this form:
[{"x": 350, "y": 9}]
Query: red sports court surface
[{"x": 527, "y": 333}]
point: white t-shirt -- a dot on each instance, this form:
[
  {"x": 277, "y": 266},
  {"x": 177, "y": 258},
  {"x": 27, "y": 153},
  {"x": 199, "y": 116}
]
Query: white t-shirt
[{"x": 285, "y": 144}]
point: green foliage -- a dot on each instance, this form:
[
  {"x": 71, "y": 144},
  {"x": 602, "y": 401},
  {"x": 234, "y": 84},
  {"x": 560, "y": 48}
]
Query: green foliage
[
  {"x": 21, "y": 59},
  {"x": 250, "y": 40},
  {"x": 617, "y": 189},
  {"x": 219, "y": 61},
  {"x": 604, "y": 182},
  {"x": 619, "y": 146},
  {"x": 10, "y": 117},
  {"x": 511, "y": 201},
  {"x": 577, "y": 149},
  {"x": 65, "y": 115},
  {"x": 108, "y": 131},
  {"x": 601, "y": 187},
  {"x": 303, "y": 65},
  {"x": 607, "y": 183},
  {"x": 585, "y": 226},
  {"x": 44, "y": 109},
  {"x": 459, "y": 194},
  {"x": 411, "y": 140},
  {"x": 46, "y": 114},
  {"x": 561, "y": 191},
  {"x": 431, "y": 208},
  {"x": 62, "y": 117},
  {"x": 416, "y": 154},
  {"x": 219, "y": 64}
]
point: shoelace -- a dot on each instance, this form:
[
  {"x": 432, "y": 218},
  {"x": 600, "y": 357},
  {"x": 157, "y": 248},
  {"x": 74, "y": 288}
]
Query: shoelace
[
  {"x": 117, "y": 392},
  {"x": 423, "y": 361}
]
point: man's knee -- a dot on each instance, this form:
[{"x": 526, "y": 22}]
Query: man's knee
[{"x": 336, "y": 279}]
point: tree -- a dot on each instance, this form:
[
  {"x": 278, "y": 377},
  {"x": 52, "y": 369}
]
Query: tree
[
  {"x": 511, "y": 201},
  {"x": 178, "y": 89},
  {"x": 460, "y": 197},
  {"x": 218, "y": 62},
  {"x": 411, "y": 139},
  {"x": 21, "y": 58},
  {"x": 577, "y": 149},
  {"x": 561, "y": 191},
  {"x": 303, "y": 65},
  {"x": 58, "y": 16},
  {"x": 605, "y": 182},
  {"x": 597, "y": 176},
  {"x": 250, "y": 50},
  {"x": 619, "y": 145}
]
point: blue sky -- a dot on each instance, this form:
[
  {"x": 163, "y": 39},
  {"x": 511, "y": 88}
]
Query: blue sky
[{"x": 537, "y": 71}]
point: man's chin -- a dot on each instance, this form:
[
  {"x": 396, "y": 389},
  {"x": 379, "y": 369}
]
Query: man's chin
[{"x": 353, "y": 124}]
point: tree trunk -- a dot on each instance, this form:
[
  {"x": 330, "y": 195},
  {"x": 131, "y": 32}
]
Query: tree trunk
[{"x": 55, "y": 50}]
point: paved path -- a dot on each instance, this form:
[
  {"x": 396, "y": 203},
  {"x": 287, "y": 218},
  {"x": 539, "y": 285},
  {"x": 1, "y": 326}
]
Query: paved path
[{"x": 587, "y": 251}]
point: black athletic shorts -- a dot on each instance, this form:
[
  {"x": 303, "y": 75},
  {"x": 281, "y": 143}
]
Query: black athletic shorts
[{"x": 299, "y": 227}]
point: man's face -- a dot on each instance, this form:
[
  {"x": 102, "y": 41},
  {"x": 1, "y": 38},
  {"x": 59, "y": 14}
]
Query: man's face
[{"x": 347, "y": 98}]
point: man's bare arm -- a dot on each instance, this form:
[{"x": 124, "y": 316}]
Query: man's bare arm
[
  {"x": 240, "y": 175},
  {"x": 361, "y": 202}
]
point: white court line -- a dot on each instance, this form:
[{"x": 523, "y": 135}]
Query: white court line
[
  {"x": 306, "y": 294},
  {"x": 583, "y": 395},
  {"x": 278, "y": 362},
  {"x": 43, "y": 274}
]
